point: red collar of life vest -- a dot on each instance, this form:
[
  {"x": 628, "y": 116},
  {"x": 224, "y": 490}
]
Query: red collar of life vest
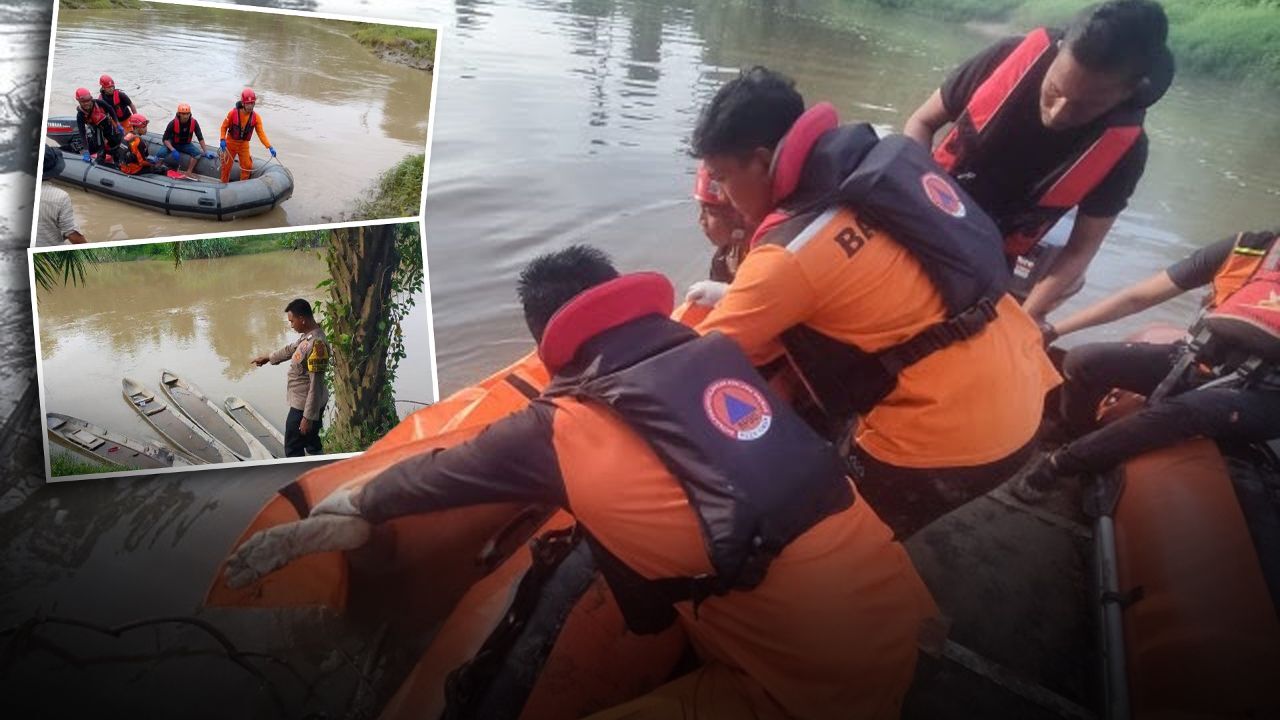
[
  {"x": 191, "y": 124},
  {"x": 1249, "y": 317},
  {"x": 789, "y": 158},
  {"x": 602, "y": 308}
]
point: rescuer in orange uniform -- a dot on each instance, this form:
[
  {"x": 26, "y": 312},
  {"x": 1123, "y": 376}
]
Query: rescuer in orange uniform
[
  {"x": 899, "y": 327},
  {"x": 133, "y": 156},
  {"x": 705, "y": 500},
  {"x": 237, "y": 129}
]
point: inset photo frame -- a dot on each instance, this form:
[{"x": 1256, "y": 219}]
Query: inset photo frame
[
  {"x": 246, "y": 118},
  {"x": 249, "y": 349}
]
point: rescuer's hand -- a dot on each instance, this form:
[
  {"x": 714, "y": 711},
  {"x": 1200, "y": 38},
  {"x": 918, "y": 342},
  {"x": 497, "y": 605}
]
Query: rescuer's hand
[
  {"x": 706, "y": 292},
  {"x": 334, "y": 525}
]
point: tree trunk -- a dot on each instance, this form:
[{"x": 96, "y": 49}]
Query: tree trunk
[{"x": 361, "y": 263}]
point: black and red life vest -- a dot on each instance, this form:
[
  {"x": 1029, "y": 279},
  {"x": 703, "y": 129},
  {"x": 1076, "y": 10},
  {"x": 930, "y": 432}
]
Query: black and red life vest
[
  {"x": 1244, "y": 307},
  {"x": 894, "y": 184},
  {"x": 971, "y": 148},
  {"x": 234, "y": 129},
  {"x": 121, "y": 111},
  {"x": 181, "y": 137},
  {"x": 756, "y": 476}
]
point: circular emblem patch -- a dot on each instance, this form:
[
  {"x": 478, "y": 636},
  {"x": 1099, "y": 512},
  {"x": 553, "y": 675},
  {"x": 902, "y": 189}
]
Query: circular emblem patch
[
  {"x": 942, "y": 194},
  {"x": 737, "y": 409}
]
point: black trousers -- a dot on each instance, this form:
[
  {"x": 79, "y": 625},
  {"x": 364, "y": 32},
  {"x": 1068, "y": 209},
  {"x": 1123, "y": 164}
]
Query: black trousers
[
  {"x": 1218, "y": 413},
  {"x": 907, "y": 499},
  {"x": 297, "y": 444}
]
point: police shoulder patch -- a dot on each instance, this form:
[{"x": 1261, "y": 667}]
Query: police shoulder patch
[
  {"x": 318, "y": 358},
  {"x": 737, "y": 409}
]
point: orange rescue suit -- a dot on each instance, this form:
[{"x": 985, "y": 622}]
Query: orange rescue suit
[
  {"x": 970, "y": 403},
  {"x": 237, "y": 129},
  {"x": 135, "y": 158}
]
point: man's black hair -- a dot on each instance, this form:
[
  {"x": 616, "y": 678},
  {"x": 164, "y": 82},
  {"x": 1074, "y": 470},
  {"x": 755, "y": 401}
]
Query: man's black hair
[
  {"x": 753, "y": 110},
  {"x": 551, "y": 280},
  {"x": 1120, "y": 36},
  {"x": 300, "y": 308}
]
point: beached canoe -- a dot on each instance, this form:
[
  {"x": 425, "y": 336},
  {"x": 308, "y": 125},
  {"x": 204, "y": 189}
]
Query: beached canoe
[
  {"x": 255, "y": 424},
  {"x": 205, "y": 196},
  {"x": 111, "y": 448},
  {"x": 205, "y": 413},
  {"x": 174, "y": 426}
]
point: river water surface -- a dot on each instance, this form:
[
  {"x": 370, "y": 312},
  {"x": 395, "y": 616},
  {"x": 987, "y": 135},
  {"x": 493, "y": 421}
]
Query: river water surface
[
  {"x": 203, "y": 320},
  {"x": 338, "y": 115}
]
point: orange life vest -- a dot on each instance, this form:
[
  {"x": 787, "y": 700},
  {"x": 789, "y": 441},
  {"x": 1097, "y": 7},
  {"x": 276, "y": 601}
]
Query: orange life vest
[
  {"x": 235, "y": 130},
  {"x": 133, "y": 158},
  {"x": 1244, "y": 307},
  {"x": 968, "y": 147}
]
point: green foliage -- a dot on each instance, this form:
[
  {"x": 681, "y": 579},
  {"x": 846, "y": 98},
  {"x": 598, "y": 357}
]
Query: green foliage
[
  {"x": 406, "y": 281},
  {"x": 70, "y": 265},
  {"x": 62, "y": 464},
  {"x": 100, "y": 4},
  {"x": 398, "y": 192},
  {"x": 418, "y": 43},
  {"x": 1229, "y": 39}
]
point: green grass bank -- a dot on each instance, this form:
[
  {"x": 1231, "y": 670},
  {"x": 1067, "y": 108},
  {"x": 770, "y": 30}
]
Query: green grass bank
[
  {"x": 398, "y": 192},
  {"x": 411, "y": 46},
  {"x": 61, "y": 465},
  {"x": 100, "y": 4},
  {"x": 1229, "y": 39}
]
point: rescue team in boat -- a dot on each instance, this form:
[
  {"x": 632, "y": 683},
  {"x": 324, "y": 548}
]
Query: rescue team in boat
[
  {"x": 113, "y": 132},
  {"x": 860, "y": 369}
]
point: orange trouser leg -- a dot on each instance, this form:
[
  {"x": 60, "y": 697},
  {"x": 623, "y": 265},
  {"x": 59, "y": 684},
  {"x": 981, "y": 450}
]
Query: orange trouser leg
[{"x": 240, "y": 149}]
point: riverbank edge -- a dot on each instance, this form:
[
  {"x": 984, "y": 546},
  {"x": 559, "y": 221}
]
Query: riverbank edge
[
  {"x": 410, "y": 46},
  {"x": 397, "y": 192},
  {"x": 1234, "y": 40}
]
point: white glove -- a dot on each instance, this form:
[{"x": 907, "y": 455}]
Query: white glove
[
  {"x": 334, "y": 524},
  {"x": 706, "y": 292}
]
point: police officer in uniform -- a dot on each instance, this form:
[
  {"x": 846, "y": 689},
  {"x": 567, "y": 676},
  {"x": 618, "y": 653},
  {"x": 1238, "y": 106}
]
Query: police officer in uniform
[{"x": 308, "y": 357}]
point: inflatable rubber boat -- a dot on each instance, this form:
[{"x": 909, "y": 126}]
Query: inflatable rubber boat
[
  {"x": 203, "y": 196},
  {"x": 523, "y": 627}
]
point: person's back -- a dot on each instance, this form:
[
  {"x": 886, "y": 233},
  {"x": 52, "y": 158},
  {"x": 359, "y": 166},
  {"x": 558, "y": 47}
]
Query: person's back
[{"x": 995, "y": 381}]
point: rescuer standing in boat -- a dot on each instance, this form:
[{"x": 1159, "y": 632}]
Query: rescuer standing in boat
[
  {"x": 1241, "y": 328},
  {"x": 121, "y": 106},
  {"x": 237, "y": 130},
  {"x": 305, "y": 390},
  {"x": 178, "y": 136},
  {"x": 704, "y": 499},
  {"x": 899, "y": 333},
  {"x": 1049, "y": 122}
]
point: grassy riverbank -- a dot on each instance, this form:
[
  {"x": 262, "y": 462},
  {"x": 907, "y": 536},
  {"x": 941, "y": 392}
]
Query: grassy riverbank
[
  {"x": 61, "y": 464},
  {"x": 398, "y": 192},
  {"x": 415, "y": 47},
  {"x": 100, "y": 4},
  {"x": 1229, "y": 39}
]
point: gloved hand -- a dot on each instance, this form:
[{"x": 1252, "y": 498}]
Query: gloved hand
[
  {"x": 222, "y": 144},
  {"x": 174, "y": 157},
  {"x": 334, "y": 524},
  {"x": 272, "y": 151},
  {"x": 706, "y": 292},
  {"x": 209, "y": 156},
  {"x": 85, "y": 157}
]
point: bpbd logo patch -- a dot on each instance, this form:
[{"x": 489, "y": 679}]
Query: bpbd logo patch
[
  {"x": 940, "y": 192},
  {"x": 737, "y": 409}
]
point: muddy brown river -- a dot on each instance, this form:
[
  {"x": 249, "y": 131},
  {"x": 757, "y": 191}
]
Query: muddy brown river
[
  {"x": 338, "y": 114},
  {"x": 203, "y": 320}
]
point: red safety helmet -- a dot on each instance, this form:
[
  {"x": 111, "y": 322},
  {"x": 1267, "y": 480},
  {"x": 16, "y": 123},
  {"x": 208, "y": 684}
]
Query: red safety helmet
[
  {"x": 106, "y": 81},
  {"x": 83, "y": 94},
  {"x": 707, "y": 190},
  {"x": 184, "y": 108},
  {"x": 248, "y": 96},
  {"x": 137, "y": 119}
]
